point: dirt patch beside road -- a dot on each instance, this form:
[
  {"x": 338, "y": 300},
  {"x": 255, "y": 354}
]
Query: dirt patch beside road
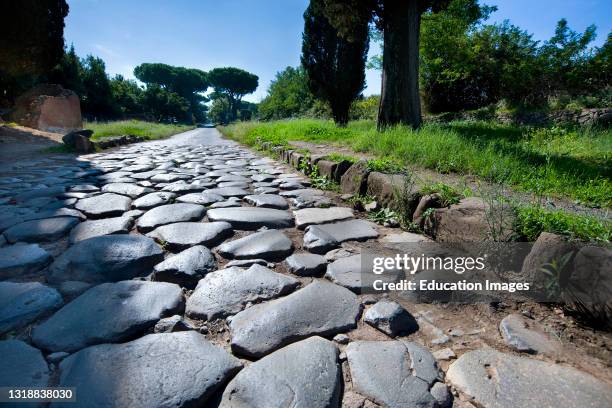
[{"x": 19, "y": 142}]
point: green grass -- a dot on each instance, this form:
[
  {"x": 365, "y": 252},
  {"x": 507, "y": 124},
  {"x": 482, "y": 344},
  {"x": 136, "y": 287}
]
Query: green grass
[
  {"x": 554, "y": 162},
  {"x": 531, "y": 221},
  {"x": 150, "y": 130},
  {"x": 337, "y": 157}
]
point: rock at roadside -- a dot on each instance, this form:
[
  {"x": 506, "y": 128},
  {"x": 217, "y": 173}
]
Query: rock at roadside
[
  {"x": 320, "y": 308},
  {"x": 171, "y": 324},
  {"x": 108, "y": 313},
  {"x": 305, "y": 264},
  {"x": 96, "y": 228},
  {"x": 306, "y": 374},
  {"x": 391, "y": 318},
  {"x": 527, "y": 335},
  {"x": 23, "y": 303},
  {"x": 70, "y": 138},
  {"x": 168, "y": 214},
  {"x": 186, "y": 268},
  {"x": 355, "y": 179},
  {"x": 22, "y": 366},
  {"x": 22, "y": 259},
  {"x": 269, "y": 244},
  {"x": 159, "y": 370},
  {"x": 44, "y": 230},
  {"x": 249, "y": 218},
  {"x": 393, "y": 373},
  {"x": 548, "y": 248},
  {"x": 227, "y": 291},
  {"x": 183, "y": 235},
  {"x": 310, "y": 216},
  {"x": 494, "y": 379},
  {"x": 104, "y": 205},
  {"x": 322, "y": 238},
  {"x": 109, "y": 258}
]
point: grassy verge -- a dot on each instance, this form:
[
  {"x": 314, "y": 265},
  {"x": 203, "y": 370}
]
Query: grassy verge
[
  {"x": 150, "y": 130},
  {"x": 555, "y": 162}
]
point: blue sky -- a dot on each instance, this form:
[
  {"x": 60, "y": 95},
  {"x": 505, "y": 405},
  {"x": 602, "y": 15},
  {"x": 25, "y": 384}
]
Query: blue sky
[{"x": 261, "y": 36}]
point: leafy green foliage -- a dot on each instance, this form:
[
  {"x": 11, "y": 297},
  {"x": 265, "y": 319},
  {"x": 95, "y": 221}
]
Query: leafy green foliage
[
  {"x": 531, "y": 221},
  {"x": 385, "y": 165},
  {"x": 288, "y": 96},
  {"x": 384, "y": 215},
  {"x": 334, "y": 65},
  {"x": 232, "y": 84},
  {"x": 448, "y": 194},
  {"x": 337, "y": 157}
]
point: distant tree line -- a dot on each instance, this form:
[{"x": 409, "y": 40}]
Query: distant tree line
[
  {"x": 463, "y": 64},
  {"x": 32, "y": 52}
]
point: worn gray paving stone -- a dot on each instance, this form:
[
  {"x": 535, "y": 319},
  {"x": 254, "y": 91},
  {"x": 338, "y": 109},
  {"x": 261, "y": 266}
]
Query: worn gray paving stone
[
  {"x": 151, "y": 200},
  {"x": 108, "y": 258},
  {"x": 22, "y": 259},
  {"x": 168, "y": 214},
  {"x": 55, "y": 213},
  {"x": 186, "y": 268},
  {"x": 390, "y": 318},
  {"x": 267, "y": 244},
  {"x": 528, "y": 335},
  {"x": 23, "y": 303},
  {"x": 172, "y": 324},
  {"x": 320, "y": 308},
  {"x": 104, "y": 205},
  {"x": 494, "y": 379},
  {"x": 392, "y": 373},
  {"x": 96, "y": 228},
  {"x": 204, "y": 198},
  {"x": 245, "y": 263},
  {"x": 43, "y": 230},
  {"x": 226, "y": 292},
  {"x": 159, "y": 370},
  {"x": 83, "y": 188},
  {"x": 183, "y": 235},
  {"x": 249, "y": 218},
  {"x": 263, "y": 177},
  {"x": 229, "y": 191},
  {"x": 306, "y": 374},
  {"x": 305, "y": 264},
  {"x": 22, "y": 366},
  {"x": 127, "y": 189},
  {"x": 265, "y": 190},
  {"x": 108, "y": 313},
  {"x": 230, "y": 202},
  {"x": 322, "y": 238},
  {"x": 267, "y": 201},
  {"x": 169, "y": 177},
  {"x": 40, "y": 192},
  {"x": 346, "y": 271},
  {"x": 310, "y": 216}
]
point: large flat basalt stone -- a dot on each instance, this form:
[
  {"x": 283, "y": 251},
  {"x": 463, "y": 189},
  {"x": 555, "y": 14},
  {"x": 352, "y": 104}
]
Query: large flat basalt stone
[
  {"x": 393, "y": 373},
  {"x": 168, "y": 214},
  {"x": 269, "y": 245},
  {"x": 247, "y": 218},
  {"x": 227, "y": 291},
  {"x": 22, "y": 259},
  {"x": 23, "y": 303},
  {"x": 320, "y": 308},
  {"x": 108, "y": 313},
  {"x": 494, "y": 379},
  {"x": 96, "y": 228},
  {"x": 310, "y": 216},
  {"x": 322, "y": 238},
  {"x": 22, "y": 366},
  {"x": 44, "y": 230},
  {"x": 306, "y": 374},
  {"x": 159, "y": 370},
  {"x": 187, "y": 267},
  {"x": 182, "y": 235},
  {"x": 127, "y": 189},
  {"x": 104, "y": 205},
  {"x": 107, "y": 258}
]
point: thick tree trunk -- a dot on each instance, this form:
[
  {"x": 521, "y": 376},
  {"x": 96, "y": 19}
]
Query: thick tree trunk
[
  {"x": 340, "y": 112},
  {"x": 399, "y": 100}
]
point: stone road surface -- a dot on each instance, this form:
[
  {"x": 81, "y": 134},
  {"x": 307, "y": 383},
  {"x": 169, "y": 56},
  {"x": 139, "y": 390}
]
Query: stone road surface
[{"x": 194, "y": 272}]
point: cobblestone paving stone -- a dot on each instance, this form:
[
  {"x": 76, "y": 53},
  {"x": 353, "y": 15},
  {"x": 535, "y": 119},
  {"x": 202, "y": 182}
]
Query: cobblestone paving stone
[{"x": 196, "y": 211}]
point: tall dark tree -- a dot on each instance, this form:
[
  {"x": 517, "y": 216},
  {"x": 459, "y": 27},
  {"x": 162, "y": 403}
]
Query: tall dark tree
[
  {"x": 31, "y": 43},
  {"x": 233, "y": 84},
  {"x": 188, "y": 83},
  {"x": 98, "y": 97},
  {"x": 400, "y": 22},
  {"x": 69, "y": 72},
  {"x": 334, "y": 63}
]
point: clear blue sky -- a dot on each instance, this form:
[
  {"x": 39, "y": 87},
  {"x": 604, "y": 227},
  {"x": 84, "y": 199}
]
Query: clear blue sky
[{"x": 261, "y": 36}]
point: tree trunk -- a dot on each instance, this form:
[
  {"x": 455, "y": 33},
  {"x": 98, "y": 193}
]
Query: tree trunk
[
  {"x": 340, "y": 112},
  {"x": 399, "y": 100}
]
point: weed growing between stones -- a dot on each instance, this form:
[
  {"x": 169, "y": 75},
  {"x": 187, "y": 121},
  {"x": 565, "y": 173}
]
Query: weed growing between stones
[{"x": 316, "y": 180}]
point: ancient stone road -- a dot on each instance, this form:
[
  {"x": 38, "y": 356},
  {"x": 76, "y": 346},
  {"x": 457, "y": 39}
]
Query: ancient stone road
[{"x": 192, "y": 272}]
